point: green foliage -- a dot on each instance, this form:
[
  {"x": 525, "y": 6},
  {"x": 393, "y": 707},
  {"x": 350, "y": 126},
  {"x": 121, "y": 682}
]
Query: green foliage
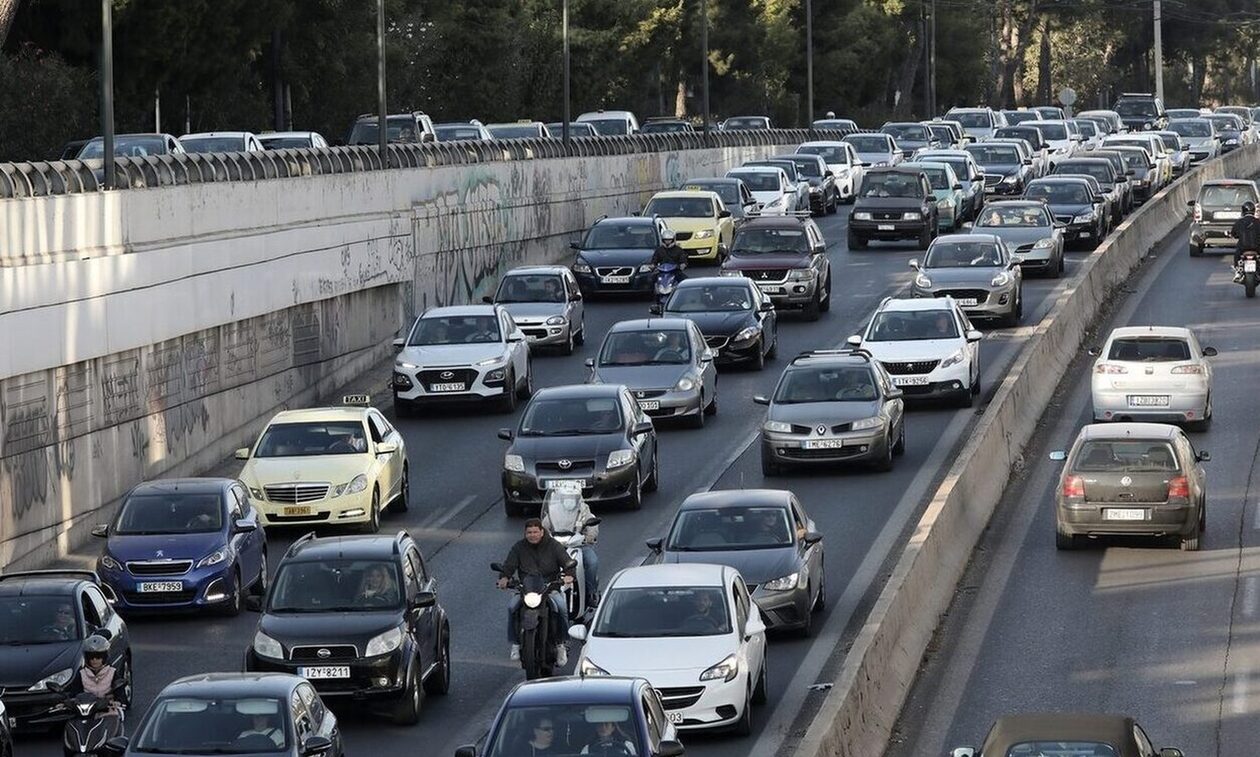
[{"x": 47, "y": 102}]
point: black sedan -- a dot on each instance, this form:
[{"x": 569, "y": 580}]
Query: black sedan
[
  {"x": 737, "y": 320},
  {"x": 1006, "y": 172},
  {"x": 615, "y": 256},
  {"x": 593, "y": 433},
  {"x": 240, "y": 714},
  {"x": 767, "y": 536},
  {"x": 1066, "y": 734},
  {"x": 1082, "y": 213}
]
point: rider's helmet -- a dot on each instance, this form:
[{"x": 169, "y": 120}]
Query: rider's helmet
[
  {"x": 831, "y": 114},
  {"x": 667, "y": 237},
  {"x": 95, "y": 647},
  {"x": 1249, "y": 208}
]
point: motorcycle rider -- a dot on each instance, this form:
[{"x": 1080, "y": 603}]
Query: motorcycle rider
[
  {"x": 541, "y": 556},
  {"x": 573, "y": 513},
  {"x": 1247, "y": 231},
  {"x": 670, "y": 252},
  {"x": 97, "y": 676}
]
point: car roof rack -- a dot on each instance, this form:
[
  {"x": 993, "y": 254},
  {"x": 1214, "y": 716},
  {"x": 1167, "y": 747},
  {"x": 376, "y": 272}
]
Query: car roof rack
[
  {"x": 837, "y": 352},
  {"x": 85, "y": 575}
]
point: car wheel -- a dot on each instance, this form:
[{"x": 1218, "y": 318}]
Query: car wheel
[
  {"x": 569, "y": 343},
  {"x": 634, "y": 500},
  {"x": 373, "y": 523},
  {"x": 1205, "y": 422},
  {"x": 1196, "y": 251},
  {"x": 1063, "y": 541},
  {"x": 820, "y": 601},
  {"x": 654, "y": 480},
  {"x": 814, "y": 307},
  {"x": 759, "y": 358},
  {"x": 580, "y": 339},
  {"x": 900, "y": 447},
  {"x": 407, "y": 709},
  {"x": 773, "y": 352},
  {"x": 404, "y": 495},
  {"x": 263, "y": 582},
  {"x": 806, "y": 629},
  {"x": 511, "y": 509},
  {"x": 697, "y": 420},
  {"x": 856, "y": 241},
  {"x": 712, "y": 407},
  {"x": 507, "y": 403},
  {"x": 762, "y": 691},
  {"x": 234, "y": 603},
  {"x": 769, "y": 466},
  {"x": 439, "y": 681},
  {"x": 884, "y": 462},
  {"x": 1058, "y": 271},
  {"x": 128, "y": 685},
  {"x": 526, "y": 390},
  {"x": 825, "y": 305}
]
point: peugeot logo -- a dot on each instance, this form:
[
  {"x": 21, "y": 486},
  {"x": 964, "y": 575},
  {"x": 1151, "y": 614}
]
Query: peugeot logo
[
  {"x": 821, "y": 429},
  {"x": 1126, "y": 480},
  {"x": 323, "y": 654},
  {"x": 564, "y": 464},
  {"x": 160, "y": 553},
  {"x": 447, "y": 375}
]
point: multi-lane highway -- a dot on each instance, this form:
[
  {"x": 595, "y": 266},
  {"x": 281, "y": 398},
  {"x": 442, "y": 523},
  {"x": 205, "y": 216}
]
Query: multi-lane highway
[
  {"x": 456, "y": 514},
  {"x": 1125, "y": 627}
]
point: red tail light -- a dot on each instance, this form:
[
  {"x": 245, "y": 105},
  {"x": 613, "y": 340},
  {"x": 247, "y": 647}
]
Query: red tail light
[
  {"x": 1178, "y": 486},
  {"x": 1073, "y": 486}
]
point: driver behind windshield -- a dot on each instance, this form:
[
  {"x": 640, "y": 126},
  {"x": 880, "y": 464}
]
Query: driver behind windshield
[
  {"x": 263, "y": 724},
  {"x": 378, "y": 588}
]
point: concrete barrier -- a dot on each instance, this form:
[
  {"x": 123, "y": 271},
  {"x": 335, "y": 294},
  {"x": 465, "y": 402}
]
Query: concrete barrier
[
  {"x": 858, "y": 714},
  {"x": 149, "y": 332}
]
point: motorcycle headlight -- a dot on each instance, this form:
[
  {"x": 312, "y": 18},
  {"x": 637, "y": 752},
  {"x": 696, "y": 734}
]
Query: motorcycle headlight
[
  {"x": 953, "y": 359},
  {"x": 703, "y": 234},
  {"x": 384, "y": 643},
  {"x": 514, "y": 463},
  {"x": 214, "y": 558},
  {"x": 110, "y": 562},
  {"x": 1044, "y": 243},
  {"x": 865, "y": 423},
  {"x": 685, "y": 384},
  {"x": 786, "y": 582},
  {"x": 861, "y": 216},
  {"x": 557, "y": 320},
  {"x": 726, "y": 670},
  {"x": 265, "y": 646},
  {"x": 646, "y": 268},
  {"x": 588, "y": 668},
  {"x": 747, "y": 335},
  {"x": 532, "y": 600},
  {"x": 60, "y": 678},
  {"x": 778, "y": 427},
  {"x": 1001, "y": 280},
  {"x": 922, "y": 281},
  {"x": 619, "y": 458},
  {"x": 1086, "y": 217},
  {"x": 581, "y": 266},
  {"x": 912, "y": 215}
]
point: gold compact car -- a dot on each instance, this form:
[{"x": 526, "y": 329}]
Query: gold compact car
[
  {"x": 702, "y": 225},
  {"x": 337, "y": 465}
]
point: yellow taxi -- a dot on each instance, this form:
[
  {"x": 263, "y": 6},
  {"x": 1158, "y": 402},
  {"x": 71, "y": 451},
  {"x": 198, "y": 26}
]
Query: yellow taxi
[
  {"x": 702, "y": 225},
  {"x": 327, "y": 465}
]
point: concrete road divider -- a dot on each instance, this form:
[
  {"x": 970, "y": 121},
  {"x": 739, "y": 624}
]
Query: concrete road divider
[{"x": 857, "y": 717}]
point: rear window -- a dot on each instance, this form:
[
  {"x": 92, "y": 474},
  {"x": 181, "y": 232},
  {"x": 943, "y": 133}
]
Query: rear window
[
  {"x": 1061, "y": 749},
  {"x": 829, "y": 154},
  {"x": 1227, "y": 196},
  {"x": 1051, "y": 131},
  {"x": 1149, "y": 350},
  {"x": 1124, "y": 456}
]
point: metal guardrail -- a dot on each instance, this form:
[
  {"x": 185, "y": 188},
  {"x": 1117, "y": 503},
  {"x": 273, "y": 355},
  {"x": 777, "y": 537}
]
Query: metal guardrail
[{"x": 46, "y": 178}]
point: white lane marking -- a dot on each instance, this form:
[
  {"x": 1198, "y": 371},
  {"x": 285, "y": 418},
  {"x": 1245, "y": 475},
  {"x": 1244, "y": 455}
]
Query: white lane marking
[
  {"x": 1185, "y": 683},
  {"x": 437, "y": 520},
  {"x": 1255, "y": 521},
  {"x": 1242, "y": 682},
  {"x": 1251, "y": 588}
]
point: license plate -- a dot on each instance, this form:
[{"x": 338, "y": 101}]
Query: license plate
[
  {"x": 674, "y": 716},
  {"x": 887, "y": 227},
  {"x": 157, "y": 587},
  {"x": 325, "y": 672},
  {"x": 299, "y": 510},
  {"x": 1228, "y": 215},
  {"x": 650, "y": 404},
  {"x": 1249, "y": 266},
  {"x": 1148, "y": 400},
  {"x": 614, "y": 280},
  {"x": 1086, "y": 234},
  {"x": 1126, "y": 513},
  {"x": 910, "y": 380},
  {"x": 456, "y": 387},
  {"x": 968, "y": 302},
  {"x": 552, "y": 483},
  {"x": 823, "y": 443},
  {"x": 772, "y": 290}
]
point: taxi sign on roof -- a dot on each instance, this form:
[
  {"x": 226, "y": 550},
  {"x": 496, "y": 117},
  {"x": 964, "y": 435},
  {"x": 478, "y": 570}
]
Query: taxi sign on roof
[{"x": 357, "y": 399}]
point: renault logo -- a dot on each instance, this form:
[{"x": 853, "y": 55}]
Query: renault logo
[
  {"x": 323, "y": 654},
  {"x": 564, "y": 464},
  {"x": 447, "y": 375},
  {"x": 821, "y": 429},
  {"x": 1126, "y": 480}
]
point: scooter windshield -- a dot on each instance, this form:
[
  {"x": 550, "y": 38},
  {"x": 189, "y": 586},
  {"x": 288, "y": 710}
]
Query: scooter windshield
[{"x": 563, "y": 504}]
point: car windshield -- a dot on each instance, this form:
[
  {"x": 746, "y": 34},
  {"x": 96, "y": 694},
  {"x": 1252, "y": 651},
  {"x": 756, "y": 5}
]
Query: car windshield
[
  {"x": 666, "y": 347},
  {"x": 891, "y": 184},
  {"x": 284, "y": 143},
  {"x": 665, "y": 127},
  {"x": 834, "y": 123},
  {"x": 831, "y": 154},
  {"x": 962, "y": 255},
  {"x": 37, "y": 619},
  {"x": 1062, "y": 194},
  {"x": 680, "y": 207},
  {"x": 972, "y": 120},
  {"x": 937, "y": 177},
  {"x": 1134, "y": 108},
  {"x": 336, "y": 584},
  {"x": 1100, "y": 172},
  {"x": 1060, "y": 749},
  {"x": 993, "y": 154},
  {"x": 125, "y": 147},
  {"x": 908, "y": 326},
  {"x": 312, "y": 439},
  {"x": 455, "y": 329},
  {"x": 1020, "y": 216},
  {"x": 213, "y": 144},
  {"x": 1224, "y": 123},
  {"x": 909, "y": 132},
  {"x": 455, "y": 133},
  {"x": 1217, "y": 195},
  {"x": 1170, "y": 141},
  {"x": 572, "y": 417},
  {"x": 848, "y": 383},
  {"x": 871, "y": 143},
  {"x": 1149, "y": 349},
  {"x": 1191, "y": 128},
  {"x": 770, "y": 242},
  {"x": 1020, "y": 116},
  {"x": 728, "y": 191},
  {"x": 397, "y": 129},
  {"x": 1051, "y": 131},
  {"x": 1125, "y": 456},
  {"x": 170, "y": 512},
  {"x": 958, "y": 164},
  {"x": 710, "y": 298},
  {"x": 205, "y": 725},
  {"x": 514, "y": 131},
  {"x": 807, "y": 167},
  {"x": 567, "y": 730},
  {"x": 731, "y": 528},
  {"x": 759, "y": 181},
  {"x": 1087, "y": 128},
  {"x": 621, "y": 236},
  {"x": 788, "y": 167},
  {"x": 609, "y": 127},
  {"x": 663, "y": 611},
  {"x": 531, "y": 287}
]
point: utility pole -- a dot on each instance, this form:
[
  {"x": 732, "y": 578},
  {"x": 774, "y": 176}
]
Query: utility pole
[
  {"x": 564, "y": 33},
  {"x": 107, "y": 92},
  {"x": 809, "y": 62},
  {"x": 1159, "y": 52},
  {"x": 382, "y": 116},
  {"x": 157, "y": 109},
  {"x": 932, "y": 62},
  {"x": 704, "y": 42}
]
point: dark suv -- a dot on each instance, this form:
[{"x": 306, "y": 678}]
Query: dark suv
[
  {"x": 1141, "y": 111},
  {"x": 786, "y": 257},
  {"x": 1219, "y": 204},
  {"x": 44, "y": 617},
  {"x": 400, "y": 128},
  {"x": 616, "y": 255},
  {"x": 358, "y": 617},
  {"x": 894, "y": 203}
]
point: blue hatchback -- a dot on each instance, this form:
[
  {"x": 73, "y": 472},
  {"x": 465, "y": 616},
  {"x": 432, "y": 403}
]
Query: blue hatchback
[{"x": 190, "y": 543}]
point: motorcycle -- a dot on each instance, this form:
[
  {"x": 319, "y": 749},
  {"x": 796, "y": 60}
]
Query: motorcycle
[
  {"x": 667, "y": 277},
  {"x": 96, "y": 720},
  {"x": 533, "y": 624},
  {"x": 561, "y": 509},
  {"x": 1246, "y": 271}
]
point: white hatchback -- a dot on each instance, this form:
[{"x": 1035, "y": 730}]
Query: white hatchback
[
  {"x": 1153, "y": 373},
  {"x": 692, "y": 631}
]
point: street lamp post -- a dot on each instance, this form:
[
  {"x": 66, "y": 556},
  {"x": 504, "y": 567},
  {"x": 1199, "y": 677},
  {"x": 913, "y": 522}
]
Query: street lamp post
[
  {"x": 382, "y": 116},
  {"x": 704, "y": 42},
  {"x": 564, "y": 124},
  {"x": 107, "y": 92},
  {"x": 809, "y": 62}
]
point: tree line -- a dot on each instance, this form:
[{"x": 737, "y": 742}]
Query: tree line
[{"x": 311, "y": 64}]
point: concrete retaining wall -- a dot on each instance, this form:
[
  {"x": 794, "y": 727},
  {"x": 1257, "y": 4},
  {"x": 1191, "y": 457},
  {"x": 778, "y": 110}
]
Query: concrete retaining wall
[
  {"x": 858, "y": 715},
  {"x": 149, "y": 332}
]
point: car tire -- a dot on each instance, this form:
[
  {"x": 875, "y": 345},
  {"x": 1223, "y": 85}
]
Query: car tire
[
  {"x": 697, "y": 420},
  {"x": 712, "y": 407},
  {"x": 773, "y": 352},
  {"x": 653, "y": 481},
  {"x": 507, "y": 403},
  {"x": 899, "y": 448},
  {"x": 263, "y": 582},
  {"x": 406, "y": 710},
  {"x": 511, "y": 509},
  {"x": 526, "y": 389},
  {"x": 1196, "y": 251},
  {"x": 825, "y": 305},
  {"x": 1058, "y": 271},
  {"x": 856, "y": 241},
  {"x": 439, "y": 681},
  {"x": 884, "y": 462},
  {"x": 634, "y": 500},
  {"x": 580, "y": 339},
  {"x": 759, "y": 359},
  {"x": 1062, "y": 541},
  {"x": 820, "y": 601},
  {"x": 236, "y": 600},
  {"x": 769, "y": 466},
  {"x": 813, "y": 309},
  {"x": 806, "y": 629},
  {"x": 400, "y": 504},
  {"x": 373, "y": 524},
  {"x": 761, "y": 693},
  {"x": 570, "y": 344}
]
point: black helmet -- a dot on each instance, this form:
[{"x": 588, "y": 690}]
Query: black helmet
[
  {"x": 1249, "y": 208},
  {"x": 95, "y": 646}
]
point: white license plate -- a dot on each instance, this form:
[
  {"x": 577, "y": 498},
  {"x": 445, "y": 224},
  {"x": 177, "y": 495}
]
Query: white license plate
[
  {"x": 771, "y": 290},
  {"x": 1125, "y": 513},
  {"x": 968, "y": 302},
  {"x": 650, "y": 404},
  {"x": 157, "y": 587},
  {"x": 456, "y": 387},
  {"x": 552, "y": 483},
  {"x": 887, "y": 227},
  {"x": 325, "y": 672},
  {"x": 1228, "y": 215},
  {"x": 1086, "y": 234},
  {"x": 910, "y": 380},
  {"x": 1148, "y": 400},
  {"x": 298, "y": 510},
  {"x": 674, "y": 716},
  {"x": 1249, "y": 266},
  {"x": 614, "y": 280},
  {"x": 823, "y": 443}
]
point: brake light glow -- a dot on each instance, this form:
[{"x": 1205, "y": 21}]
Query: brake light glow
[
  {"x": 1179, "y": 486},
  {"x": 1187, "y": 369},
  {"x": 1073, "y": 486},
  {"x": 1109, "y": 368}
]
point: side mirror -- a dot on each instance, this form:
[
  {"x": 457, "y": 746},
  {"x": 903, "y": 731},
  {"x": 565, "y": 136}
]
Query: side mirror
[
  {"x": 1203, "y": 456},
  {"x": 1060, "y": 225},
  {"x": 487, "y": 299},
  {"x": 577, "y": 632},
  {"x": 467, "y": 750},
  {"x": 242, "y": 453},
  {"x": 1190, "y": 204},
  {"x": 895, "y": 393},
  {"x": 1058, "y": 455},
  {"x": 399, "y": 343},
  {"x": 968, "y": 225},
  {"x": 640, "y": 429},
  {"x": 253, "y": 603},
  {"x": 243, "y": 526},
  {"x": 724, "y": 214},
  {"x": 829, "y": 173},
  {"x": 1016, "y": 260},
  {"x": 1027, "y": 161},
  {"x": 1209, "y": 352},
  {"x": 656, "y": 309},
  {"x": 676, "y": 749},
  {"x": 766, "y": 307},
  {"x": 103, "y": 530},
  {"x": 956, "y": 187},
  {"x": 754, "y": 626},
  {"x": 1093, "y": 351},
  {"x": 575, "y": 246},
  {"x": 593, "y": 521},
  {"x": 315, "y": 745},
  {"x": 1170, "y": 751},
  {"x": 104, "y": 633},
  {"x": 656, "y": 544},
  {"x": 496, "y": 567},
  {"x": 854, "y": 341},
  {"x": 975, "y": 335},
  {"x": 914, "y": 263},
  {"x": 1131, "y": 172},
  {"x": 423, "y": 599},
  {"x": 963, "y": 751},
  {"x": 707, "y": 356},
  {"x": 812, "y": 537},
  {"x": 761, "y": 399},
  {"x": 505, "y": 434},
  {"x": 589, "y": 362},
  {"x": 386, "y": 448},
  {"x": 516, "y": 337},
  {"x": 576, "y": 297},
  {"x": 117, "y": 745}
]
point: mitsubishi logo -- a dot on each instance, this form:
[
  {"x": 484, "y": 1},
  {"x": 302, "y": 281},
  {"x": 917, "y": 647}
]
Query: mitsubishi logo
[
  {"x": 564, "y": 464},
  {"x": 323, "y": 654},
  {"x": 447, "y": 375},
  {"x": 1126, "y": 480},
  {"x": 765, "y": 275}
]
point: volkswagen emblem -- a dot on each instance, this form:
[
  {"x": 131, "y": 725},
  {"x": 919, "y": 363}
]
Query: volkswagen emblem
[
  {"x": 445, "y": 375},
  {"x": 1126, "y": 480},
  {"x": 564, "y": 464},
  {"x": 323, "y": 654},
  {"x": 821, "y": 429}
]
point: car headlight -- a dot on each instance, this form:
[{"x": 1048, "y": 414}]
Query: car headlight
[
  {"x": 861, "y": 216},
  {"x": 557, "y": 320},
  {"x": 514, "y": 463},
  {"x": 730, "y": 272},
  {"x": 404, "y": 365},
  {"x": 490, "y": 361},
  {"x": 1148, "y": 125},
  {"x": 685, "y": 384},
  {"x": 214, "y": 558},
  {"x": 646, "y": 268},
  {"x": 865, "y": 423},
  {"x": 581, "y": 266},
  {"x": 726, "y": 670},
  {"x": 1231, "y": 141},
  {"x": 384, "y": 643},
  {"x": 1044, "y": 243},
  {"x": 815, "y": 190},
  {"x": 801, "y": 274},
  {"x": 703, "y": 234},
  {"x": 60, "y": 678},
  {"x": 777, "y": 427},
  {"x": 922, "y": 281},
  {"x": 747, "y": 335},
  {"x": 619, "y": 458},
  {"x": 953, "y": 359},
  {"x": 256, "y": 493},
  {"x": 496, "y": 375},
  {"x": 265, "y": 646},
  {"x": 110, "y": 562},
  {"x": 1002, "y": 279},
  {"x": 1086, "y": 217},
  {"x": 785, "y": 583},
  {"x": 588, "y": 668},
  {"x": 911, "y": 215},
  {"x": 354, "y": 486},
  {"x": 1009, "y": 179}
]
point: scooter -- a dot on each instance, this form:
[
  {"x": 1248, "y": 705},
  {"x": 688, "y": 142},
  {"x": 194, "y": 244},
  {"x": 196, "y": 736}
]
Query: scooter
[
  {"x": 561, "y": 508},
  {"x": 533, "y": 624},
  {"x": 667, "y": 277},
  {"x": 96, "y": 720},
  {"x": 1247, "y": 265}
]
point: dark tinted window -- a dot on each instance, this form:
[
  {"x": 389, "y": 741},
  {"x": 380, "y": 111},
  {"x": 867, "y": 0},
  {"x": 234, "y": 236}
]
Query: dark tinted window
[
  {"x": 531, "y": 287},
  {"x": 1061, "y": 749},
  {"x": 1227, "y": 196},
  {"x": 565, "y": 730},
  {"x": 680, "y": 207},
  {"x": 213, "y": 144},
  {"x": 1149, "y": 349},
  {"x": 972, "y": 120},
  {"x": 1051, "y": 131},
  {"x": 514, "y": 131},
  {"x": 1191, "y": 128},
  {"x": 1060, "y": 193},
  {"x": 568, "y": 417},
  {"x": 912, "y": 132},
  {"x": 698, "y": 530},
  {"x": 669, "y": 347},
  {"x": 621, "y": 236},
  {"x": 770, "y": 241},
  {"x": 891, "y": 185},
  {"x": 868, "y": 143},
  {"x": 1099, "y": 172},
  {"x": 284, "y": 143},
  {"x": 37, "y": 620},
  {"x": 1127, "y": 456},
  {"x": 336, "y": 585},
  {"x": 397, "y": 129},
  {"x": 609, "y": 127},
  {"x": 729, "y": 192},
  {"x": 759, "y": 181},
  {"x": 135, "y": 147},
  {"x": 197, "y": 725},
  {"x": 453, "y": 133},
  {"x": 829, "y": 154},
  {"x": 895, "y": 326},
  {"x": 455, "y": 329},
  {"x": 726, "y": 298},
  {"x": 170, "y": 513},
  {"x": 1135, "y": 108}
]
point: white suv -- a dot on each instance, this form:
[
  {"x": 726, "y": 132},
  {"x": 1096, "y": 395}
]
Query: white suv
[
  {"x": 928, "y": 347},
  {"x": 469, "y": 352}
]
